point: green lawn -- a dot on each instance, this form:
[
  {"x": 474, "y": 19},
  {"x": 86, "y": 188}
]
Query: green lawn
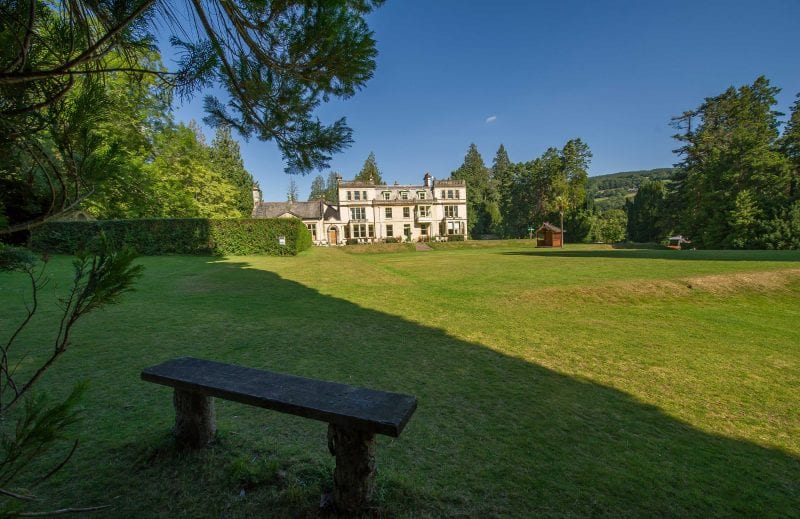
[{"x": 584, "y": 381}]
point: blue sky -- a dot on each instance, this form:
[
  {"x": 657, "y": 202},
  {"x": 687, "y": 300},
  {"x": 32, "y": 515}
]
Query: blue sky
[{"x": 534, "y": 74}]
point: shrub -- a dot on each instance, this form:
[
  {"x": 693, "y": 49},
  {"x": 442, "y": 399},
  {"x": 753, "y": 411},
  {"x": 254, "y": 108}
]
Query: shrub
[
  {"x": 392, "y": 240},
  {"x": 455, "y": 237},
  {"x": 351, "y": 241},
  {"x": 153, "y": 237}
]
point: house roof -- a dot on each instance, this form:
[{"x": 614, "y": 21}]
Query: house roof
[
  {"x": 314, "y": 210},
  {"x": 547, "y": 226}
]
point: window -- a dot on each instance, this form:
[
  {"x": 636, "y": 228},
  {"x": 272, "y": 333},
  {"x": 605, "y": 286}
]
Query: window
[
  {"x": 349, "y": 195},
  {"x": 406, "y": 212},
  {"x": 358, "y": 213},
  {"x": 357, "y": 195},
  {"x": 442, "y": 194},
  {"x": 387, "y": 195},
  {"x": 451, "y": 211},
  {"x": 458, "y": 194},
  {"x": 424, "y": 230},
  {"x": 389, "y": 231},
  {"x": 312, "y": 228},
  {"x": 364, "y": 195},
  {"x": 449, "y": 194},
  {"x": 421, "y": 195},
  {"x": 387, "y": 212},
  {"x": 407, "y": 230},
  {"x": 360, "y": 230},
  {"x": 424, "y": 211},
  {"x": 403, "y": 195},
  {"x": 454, "y": 228}
]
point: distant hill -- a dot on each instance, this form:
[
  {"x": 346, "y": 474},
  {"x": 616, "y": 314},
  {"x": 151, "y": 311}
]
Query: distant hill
[{"x": 610, "y": 191}]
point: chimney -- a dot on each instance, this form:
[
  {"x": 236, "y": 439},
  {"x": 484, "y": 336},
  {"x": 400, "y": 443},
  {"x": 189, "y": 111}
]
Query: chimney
[
  {"x": 256, "y": 194},
  {"x": 427, "y": 179}
]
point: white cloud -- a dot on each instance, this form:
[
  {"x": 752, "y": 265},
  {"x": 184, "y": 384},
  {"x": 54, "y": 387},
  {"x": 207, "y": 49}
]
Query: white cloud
[{"x": 491, "y": 119}]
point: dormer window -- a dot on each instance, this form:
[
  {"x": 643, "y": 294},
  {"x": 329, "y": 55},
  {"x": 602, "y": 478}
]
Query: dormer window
[
  {"x": 421, "y": 195},
  {"x": 387, "y": 195},
  {"x": 403, "y": 195}
]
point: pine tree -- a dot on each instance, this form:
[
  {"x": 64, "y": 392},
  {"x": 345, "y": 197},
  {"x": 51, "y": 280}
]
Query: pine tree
[
  {"x": 501, "y": 179},
  {"x": 226, "y": 159},
  {"x": 476, "y": 175},
  {"x": 369, "y": 171},
  {"x": 731, "y": 146},
  {"x": 292, "y": 194},
  {"x": 646, "y": 213},
  {"x": 332, "y": 188},
  {"x": 317, "y": 188}
]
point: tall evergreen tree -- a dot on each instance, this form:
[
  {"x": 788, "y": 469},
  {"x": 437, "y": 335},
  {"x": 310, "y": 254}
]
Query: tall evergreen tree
[
  {"x": 646, "y": 213},
  {"x": 790, "y": 145},
  {"x": 369, "y": 171},
  {"x": 476, "y": 174},
  {"x": 501, "y": 175},
  {"x": 292, "y": 194},
  {"x": 332, "y": 188},
  {"x": 226, "y": 159},
  {"x": 317, "y": 188},
  {"x": 737, "y": 180}
]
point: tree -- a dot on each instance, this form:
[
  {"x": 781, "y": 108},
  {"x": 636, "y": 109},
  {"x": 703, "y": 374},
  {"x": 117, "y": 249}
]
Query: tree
[
  {"x": 610, "y": 226},
  {"x": 476, "y": 175},
  {"x": 226, "y": 160},
  {"x": 790, "y": 145},
  {"x": 646, "y": 213},
  {"x": 99, "y": 279},
  {"x": 731, "y": 146},
  {"x": 332, "y": 188},
  {"x": 369, "y": 171},
  {"x": 501, "y": 179},
  {"x": 291, "y": 191},
  {"x": 186, "y": 182},
  {"x": 276, "y": 62},
  {"x": 317, "y": 189}
]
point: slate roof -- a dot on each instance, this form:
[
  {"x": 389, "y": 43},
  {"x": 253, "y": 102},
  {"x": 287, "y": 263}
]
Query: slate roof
[{"x": 314, "y": 210}]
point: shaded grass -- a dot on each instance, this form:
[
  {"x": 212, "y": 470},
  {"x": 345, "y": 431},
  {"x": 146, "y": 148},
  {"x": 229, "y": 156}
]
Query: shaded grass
[{"x": 549, "y": 384}]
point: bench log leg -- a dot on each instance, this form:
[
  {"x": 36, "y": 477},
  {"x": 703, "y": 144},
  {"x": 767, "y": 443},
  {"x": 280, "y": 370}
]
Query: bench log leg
[
  {"x": 354, "y": 475},
  {"x": 194, "y": 419}
]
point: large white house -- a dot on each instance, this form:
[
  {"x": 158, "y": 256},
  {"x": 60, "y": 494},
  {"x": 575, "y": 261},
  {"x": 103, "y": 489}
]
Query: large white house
[{"x": 368, "y": 212}]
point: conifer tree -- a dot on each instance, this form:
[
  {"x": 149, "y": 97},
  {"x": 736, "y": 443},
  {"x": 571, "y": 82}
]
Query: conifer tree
[
  {"x": 292, "y": 194},
  {"x": 476, "y": 175},
  {"x": 369, "y": 171},
  {"x": 226, "y": 159},
  {"x": 332, "y": 188},
  {"x": 317, "y": 188},
  {"x": 737, "y": 179}
]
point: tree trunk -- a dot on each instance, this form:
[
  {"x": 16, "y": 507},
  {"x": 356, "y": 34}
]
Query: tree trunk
[
  {"x": 194, "y": 419},
  {"x": 354, "y": 475}
]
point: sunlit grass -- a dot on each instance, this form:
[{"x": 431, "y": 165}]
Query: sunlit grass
[{"x": 584, "y": 381}]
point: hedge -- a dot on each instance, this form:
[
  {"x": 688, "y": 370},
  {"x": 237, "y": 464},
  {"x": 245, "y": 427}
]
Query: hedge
[{"x": 154, "y": 237}]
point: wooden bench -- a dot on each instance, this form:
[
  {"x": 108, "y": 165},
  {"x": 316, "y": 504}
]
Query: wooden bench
[{"x": 354, "y": 415}]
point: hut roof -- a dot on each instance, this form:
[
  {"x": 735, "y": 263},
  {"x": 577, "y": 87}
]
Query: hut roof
[{"x": 547, "y": 226}]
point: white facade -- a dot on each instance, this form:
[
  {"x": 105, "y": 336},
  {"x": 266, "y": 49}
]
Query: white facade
[
  {"x": 368, "y": 213},
  {"x": 431, "y": 211}
]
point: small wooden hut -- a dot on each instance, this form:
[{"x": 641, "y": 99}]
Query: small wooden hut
[{"x": 548, "y": 235}]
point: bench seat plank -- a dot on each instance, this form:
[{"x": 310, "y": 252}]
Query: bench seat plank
[{"x": 368, "y": 410}]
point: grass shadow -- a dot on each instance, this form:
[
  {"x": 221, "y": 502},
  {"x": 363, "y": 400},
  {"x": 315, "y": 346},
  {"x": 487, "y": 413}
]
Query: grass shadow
[{"x": 493, "y": 435}]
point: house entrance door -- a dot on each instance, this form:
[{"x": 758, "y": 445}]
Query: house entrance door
[{"x": 333, "y": 236}]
